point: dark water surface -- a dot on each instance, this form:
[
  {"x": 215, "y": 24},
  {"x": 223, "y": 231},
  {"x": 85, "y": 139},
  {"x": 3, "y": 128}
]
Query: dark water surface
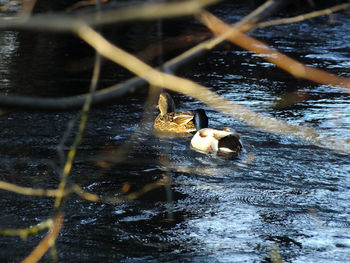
[{"x": 279, "y": 193}]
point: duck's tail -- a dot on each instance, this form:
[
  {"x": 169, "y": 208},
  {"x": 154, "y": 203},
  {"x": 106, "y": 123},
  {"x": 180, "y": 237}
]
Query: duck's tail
[{"x": 230, "y": 144}]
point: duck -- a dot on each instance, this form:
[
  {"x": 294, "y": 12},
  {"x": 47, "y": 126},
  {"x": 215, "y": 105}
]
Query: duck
[
  {"x": 225, "y": 141},
  {"x": 170, "y": 121}
]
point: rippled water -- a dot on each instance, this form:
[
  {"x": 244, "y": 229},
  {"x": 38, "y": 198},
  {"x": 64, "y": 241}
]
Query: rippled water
[{"x": 279, "y": 193}]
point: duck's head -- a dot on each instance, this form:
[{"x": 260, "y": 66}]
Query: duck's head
[
  {"x": 166, "y": 103},
  {"x": 200, "y": 119}
]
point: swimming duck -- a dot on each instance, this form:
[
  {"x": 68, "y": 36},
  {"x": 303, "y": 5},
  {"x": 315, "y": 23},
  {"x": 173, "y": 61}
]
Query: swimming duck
[
  {"x": 170, "y": 121},
  {"x": 207, "y": 139}
]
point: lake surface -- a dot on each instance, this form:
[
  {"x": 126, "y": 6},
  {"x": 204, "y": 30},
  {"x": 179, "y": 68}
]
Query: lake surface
[{"x": 280, "y": 194}]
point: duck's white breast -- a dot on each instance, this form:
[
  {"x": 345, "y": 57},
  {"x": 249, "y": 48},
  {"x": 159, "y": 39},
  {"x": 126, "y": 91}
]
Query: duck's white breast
[{"x": 203, "y": 140}]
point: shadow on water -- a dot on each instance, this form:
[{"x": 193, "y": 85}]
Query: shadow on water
[{"x": 279, "y": 192}]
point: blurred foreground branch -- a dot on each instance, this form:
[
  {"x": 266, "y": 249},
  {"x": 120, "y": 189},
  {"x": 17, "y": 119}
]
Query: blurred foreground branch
[
  {"x": 290, "y": 65},
  {"x": 48, "y": 192},
  {"x": 112, "y": 92},
  {"x": 199, "y": 92},
  {"x": 82, "y": 125},
  {"x": 303, "y": 17},
  {"x": 76, "y": 189},
  {"x": 118, "y": 90},
  {"x": 67, "y": 23},
  {"x": 25, "y": 232},
  {"x": 48, "y": 241}
]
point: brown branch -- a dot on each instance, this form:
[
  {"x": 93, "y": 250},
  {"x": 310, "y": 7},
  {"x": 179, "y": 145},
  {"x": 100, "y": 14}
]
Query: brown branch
[
  {"x": 292, "y": 66},
  {"x": 27, "y": 8},
  {"x": 47, "y": 242}
]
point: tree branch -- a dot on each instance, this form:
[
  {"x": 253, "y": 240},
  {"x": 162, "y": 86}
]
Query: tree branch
[
  {"x": 303, "y": 17},
  {"x": 67, "y": 23},
  {"x": 48, "y": 241},
  {"x": 203, "y": 94},
  {"x": 292, "y": 66},
  {"x": 118, "y": 90}
]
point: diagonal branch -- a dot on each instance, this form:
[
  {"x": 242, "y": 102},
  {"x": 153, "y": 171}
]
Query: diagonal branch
[
  {"x": 48, "y": 241},
  {"x": 199, "y": 92},
  {"x": 303, "y": 17},
  {"x": 292, "y": 66},
  {"x": 119, "y": 90}
]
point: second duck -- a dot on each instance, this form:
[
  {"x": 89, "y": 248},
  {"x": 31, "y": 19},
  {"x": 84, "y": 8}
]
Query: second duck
[{"x": 207, "y": 139}]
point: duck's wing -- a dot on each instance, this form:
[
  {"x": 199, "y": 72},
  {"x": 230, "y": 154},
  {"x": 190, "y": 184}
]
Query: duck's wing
[
  {"x": 182, "y": 118},
  {"x": 219, "y": 134}
]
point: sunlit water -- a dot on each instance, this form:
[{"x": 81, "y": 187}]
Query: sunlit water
[{"x": 279, "y": 193}]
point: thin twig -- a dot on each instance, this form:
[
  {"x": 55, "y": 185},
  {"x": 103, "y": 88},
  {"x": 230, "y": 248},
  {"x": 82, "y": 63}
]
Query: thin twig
[
  {"x": 136, "y": 194},
  {"x": 48, "y": 192},
  {"x": 47, "y": 242},
  {"x": 303, "y": 17},
  {"x": 28, "y": 190},
  {"x": 72, "y": 152},
  {"x": 25, "y": 232}
]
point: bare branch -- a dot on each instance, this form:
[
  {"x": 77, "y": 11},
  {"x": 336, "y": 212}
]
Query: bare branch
[
  {"x": 303, "y": 17},
  {"x": 68, "y": 23},
  {"x": 119, "y": 90},
  {"x": 47, "y": 242},
  {"x": 136, "y": 194},
  {"x": 27, "y": 190},
  {"x": 78, "y": 138},
  {"x": 48, "y": 192},
  {"x": 199, "y": 92},
  {"x": 25, "y": 232},
  {"x": 27, "y": 8},
  {"x": 292, "y": 66}
]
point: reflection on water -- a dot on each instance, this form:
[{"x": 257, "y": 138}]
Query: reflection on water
[
  {"x": 8, "y": 46},
  {"x": 279, "y": 192}
]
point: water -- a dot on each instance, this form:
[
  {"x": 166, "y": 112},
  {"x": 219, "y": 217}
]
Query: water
[{"x": 279, "y": 193}]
